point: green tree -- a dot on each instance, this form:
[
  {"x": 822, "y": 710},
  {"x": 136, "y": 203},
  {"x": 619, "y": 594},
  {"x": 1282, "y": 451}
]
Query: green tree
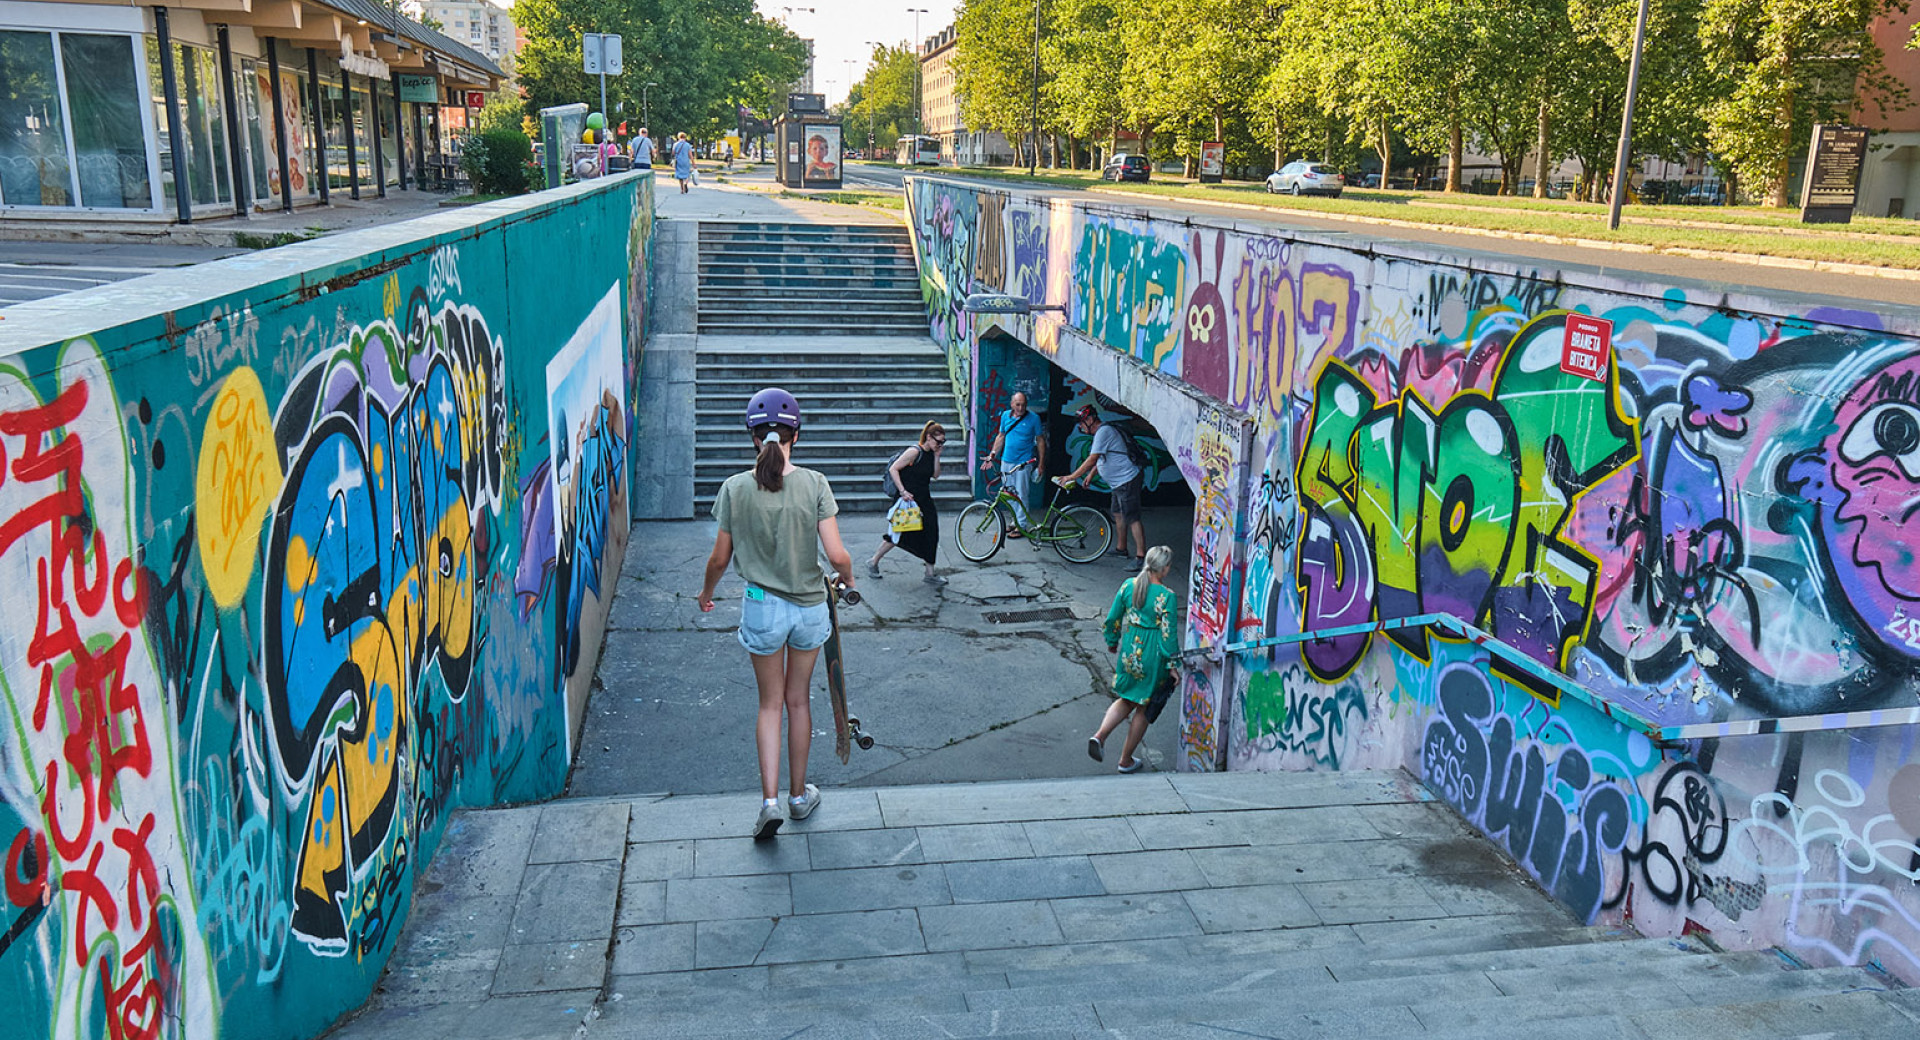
[
  {"x": 1197, "y": 63},
  {"x": 1087, "y": 50},
  {"x": 993, "y": 66},
  {"x": 1786, "y": 65},
  {"x": 883, "y": 101},
  {"x": 709, "y": 58}
]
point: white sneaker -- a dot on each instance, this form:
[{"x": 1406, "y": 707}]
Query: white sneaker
[
  {"x": 803, "y": 806},
  {"x": 768, "y": 822}
]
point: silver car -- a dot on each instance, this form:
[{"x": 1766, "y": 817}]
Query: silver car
[{"x": 1307, "y": 178}]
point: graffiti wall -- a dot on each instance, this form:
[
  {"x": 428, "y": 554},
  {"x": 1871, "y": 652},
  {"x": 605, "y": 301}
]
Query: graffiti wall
[
  {"x": 1673, "y": 532},
  {"x": 308, "y": 559}
]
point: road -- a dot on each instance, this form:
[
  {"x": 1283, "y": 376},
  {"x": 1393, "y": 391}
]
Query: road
[
  {"x": 1851, "y": 289},
  {"x": 36, "y": 270}
]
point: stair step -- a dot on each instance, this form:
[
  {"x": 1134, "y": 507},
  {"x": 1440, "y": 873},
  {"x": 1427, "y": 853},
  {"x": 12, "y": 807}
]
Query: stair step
[{"x": 758, "y": 329}]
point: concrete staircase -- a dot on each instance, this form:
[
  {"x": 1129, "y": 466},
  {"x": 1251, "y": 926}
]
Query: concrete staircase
[
  {"x": 861, "y": 401},
  {"x": 767, "y": 279},
  {"x": 1165, "y": 905}
]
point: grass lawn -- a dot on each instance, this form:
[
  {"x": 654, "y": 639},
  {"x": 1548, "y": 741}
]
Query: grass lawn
[{"x": 1753, "y": 230}]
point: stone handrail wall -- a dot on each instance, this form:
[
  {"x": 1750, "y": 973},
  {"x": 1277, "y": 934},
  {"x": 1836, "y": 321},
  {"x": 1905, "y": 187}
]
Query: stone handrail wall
[
  {"x": 305, "y": 549},
  {"x": 1697, "y": 504}
]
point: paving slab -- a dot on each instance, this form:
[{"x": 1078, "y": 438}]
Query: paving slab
[
  {"x": 731, "y": 943},
  {"x": 1146, "y": 915},
  {"x": 723, "y": 898},
  {"x": 884, "y": 848},
  {"x": 566, "y": 901},
  {"x": 656, "y": 948},
  {"x": 1004, "y": 803},
  {"x": 550, "y": 967},
  {"x": 720, "y": 857},
  {"x": 1008, "y": 880},
  {"x": 575, "y": 831},
  {"x": 1253, "y": 908},
  {"x": 873, "y": 933},
  {"x": 986, "y": 926},
  {"x": 975, "y": 841},
  {"x": 870, "y": 888},
  {"x": 642, "y": 902},
  {"x": 1380, "y": 899},
  {"x": 1166, "y": 870},
  {"x": 657, "y": 860},
  {"x": 1081, "y": 837}
]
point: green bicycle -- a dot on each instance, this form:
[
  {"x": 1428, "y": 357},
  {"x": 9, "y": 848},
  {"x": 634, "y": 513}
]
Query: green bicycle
[{"x": 1080, "y": 534}]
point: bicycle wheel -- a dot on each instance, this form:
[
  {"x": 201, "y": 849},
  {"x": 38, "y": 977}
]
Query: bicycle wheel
[
  {"x": 980, "y": 531},
  {"x": 1080, "y": 534}
]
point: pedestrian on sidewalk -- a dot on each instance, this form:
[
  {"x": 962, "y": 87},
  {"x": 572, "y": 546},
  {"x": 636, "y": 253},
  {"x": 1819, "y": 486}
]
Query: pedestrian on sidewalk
[
  {"x": 1020, "y": 439},
  {"x": 1113, "y": 454},
  {"x": 1140, "y": 629},
  {"x": 914, "y": 471},
  {"x": 682, "y": 160},
  {"x": 643, "y": 150},
  {"x": 774, "y": 520}
]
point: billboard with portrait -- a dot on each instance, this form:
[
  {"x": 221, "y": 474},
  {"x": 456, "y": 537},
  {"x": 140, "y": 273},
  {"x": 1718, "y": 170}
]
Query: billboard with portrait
[{"x": 821, "y": 143}]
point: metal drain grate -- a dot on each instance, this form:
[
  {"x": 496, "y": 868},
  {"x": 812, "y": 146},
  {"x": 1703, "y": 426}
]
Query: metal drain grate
[{"x": 1015, "y": 617}]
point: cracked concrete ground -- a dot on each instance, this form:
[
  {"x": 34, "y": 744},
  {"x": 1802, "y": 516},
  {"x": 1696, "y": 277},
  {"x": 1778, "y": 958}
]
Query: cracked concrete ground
[{"x": 948, "y": 694}]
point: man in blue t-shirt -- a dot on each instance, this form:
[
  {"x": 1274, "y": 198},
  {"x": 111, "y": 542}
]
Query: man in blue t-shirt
[{"x": 1018, "y": 439}]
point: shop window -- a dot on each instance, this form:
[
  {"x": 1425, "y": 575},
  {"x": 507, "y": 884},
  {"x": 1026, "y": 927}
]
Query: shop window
[
  {"x": 109, "y": 142},
  {"x": 33, "y": 145}
]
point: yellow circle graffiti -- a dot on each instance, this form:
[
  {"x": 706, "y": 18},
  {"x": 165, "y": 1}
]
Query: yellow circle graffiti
[{"x": 234, "y": 485}]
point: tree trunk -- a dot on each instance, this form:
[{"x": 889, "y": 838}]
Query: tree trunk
[
  {"x": 1279, "y": 139},
  {"x": 1783, "y": 116},
  {"x": 1188, "y": 168},
  {"x": 1385, "y": 146},
  {"x": 1540, "y": 142},
  {"x": 1456, "y": 143},
  {"x": 1219, "y": 131}
]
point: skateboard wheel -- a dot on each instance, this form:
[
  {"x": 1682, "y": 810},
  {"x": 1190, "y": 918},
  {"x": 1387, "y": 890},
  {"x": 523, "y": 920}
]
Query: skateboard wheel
[{"x": 865, "y": 742}]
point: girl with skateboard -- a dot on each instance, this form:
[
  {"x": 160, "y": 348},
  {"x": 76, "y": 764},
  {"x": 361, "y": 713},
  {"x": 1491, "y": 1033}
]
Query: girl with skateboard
[
  {"x": 1140, "y": 628},
  {"x": 773, "y": 520}
]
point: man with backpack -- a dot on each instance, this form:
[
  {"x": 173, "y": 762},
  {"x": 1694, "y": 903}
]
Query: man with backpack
[
  {"x": 1019, "y": 439},
  {"x": 1122, "y": 465}
]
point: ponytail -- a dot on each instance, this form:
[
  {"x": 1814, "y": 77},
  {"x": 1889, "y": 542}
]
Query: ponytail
[
  {"x": 770, "y": 468},
  {"x": 1158, "y": 558}
]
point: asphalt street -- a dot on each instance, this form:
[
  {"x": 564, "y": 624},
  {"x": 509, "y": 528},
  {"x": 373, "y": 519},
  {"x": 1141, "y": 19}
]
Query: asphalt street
[
  {"x": 1844, "y": 289},
  {"x": 36, "y": 270}
]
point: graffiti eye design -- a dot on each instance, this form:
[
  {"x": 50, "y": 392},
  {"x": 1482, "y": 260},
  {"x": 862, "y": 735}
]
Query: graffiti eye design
[{"x": 1890, "y": 429}]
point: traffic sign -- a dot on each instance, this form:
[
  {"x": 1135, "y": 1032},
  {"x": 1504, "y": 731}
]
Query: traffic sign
[{"x": 600, "y": 54}]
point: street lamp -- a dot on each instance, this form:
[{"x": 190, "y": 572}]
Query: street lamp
[
  {"x": 869, "y": 100},
  {"x": 645, "y": 121},
  {"x": 1625, "y": 152},
  {"x": 916, "y": 12},
  {"x": 1033, "y": 159}
]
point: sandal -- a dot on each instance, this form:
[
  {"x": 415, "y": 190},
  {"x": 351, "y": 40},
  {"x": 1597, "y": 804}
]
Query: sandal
[
  {"x": 1093, "y": 749},
  {"x": 1134, "y": 768}
]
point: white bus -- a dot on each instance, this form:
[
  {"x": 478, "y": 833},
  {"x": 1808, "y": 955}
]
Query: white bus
[{"x": 917, "y": 150}]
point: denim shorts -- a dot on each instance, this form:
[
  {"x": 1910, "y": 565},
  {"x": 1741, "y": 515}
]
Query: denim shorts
[{"x": 770, "y": 623}]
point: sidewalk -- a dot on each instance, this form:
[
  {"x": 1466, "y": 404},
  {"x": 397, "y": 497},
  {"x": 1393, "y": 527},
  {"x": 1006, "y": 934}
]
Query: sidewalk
[
  {"x": 221, "y": 232},
  {"x": 655, "y": 917},
  {"x": 753, "y": 195}
]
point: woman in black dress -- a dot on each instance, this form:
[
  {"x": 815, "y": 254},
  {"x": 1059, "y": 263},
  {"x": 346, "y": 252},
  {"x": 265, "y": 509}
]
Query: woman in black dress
[{"x": 914, "y": 473}]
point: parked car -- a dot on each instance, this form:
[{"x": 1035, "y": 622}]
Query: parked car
[
  {"x": 1307, "y": 178},
  {"x": 1124, "y": 167}
]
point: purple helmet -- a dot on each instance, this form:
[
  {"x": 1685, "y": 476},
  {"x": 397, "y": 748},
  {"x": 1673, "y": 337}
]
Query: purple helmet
[{"x": 773, "y": 405}]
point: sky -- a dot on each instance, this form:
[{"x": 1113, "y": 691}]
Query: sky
[{"x": 840, "y": 30}]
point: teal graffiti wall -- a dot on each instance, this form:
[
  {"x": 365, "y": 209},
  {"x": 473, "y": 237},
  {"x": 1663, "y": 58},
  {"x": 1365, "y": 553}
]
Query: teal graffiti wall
[
  {"x": 307, "y": 549},
  {"x": 1705, "y": 528}
]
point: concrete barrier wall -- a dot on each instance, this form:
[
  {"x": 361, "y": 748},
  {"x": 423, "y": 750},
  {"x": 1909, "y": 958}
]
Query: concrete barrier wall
[
  {"x": 303, "y": 550},
  {"x": 1714, "y": 526}
]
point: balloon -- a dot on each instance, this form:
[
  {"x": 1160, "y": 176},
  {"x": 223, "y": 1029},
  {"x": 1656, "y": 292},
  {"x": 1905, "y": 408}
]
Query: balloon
[
  {"x": 586, "y": 137},
  {"x": 596, "y": 120}
]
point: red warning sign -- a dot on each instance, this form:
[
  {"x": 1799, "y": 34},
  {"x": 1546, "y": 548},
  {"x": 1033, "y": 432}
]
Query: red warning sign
[{"x": 1587, "y": 348}]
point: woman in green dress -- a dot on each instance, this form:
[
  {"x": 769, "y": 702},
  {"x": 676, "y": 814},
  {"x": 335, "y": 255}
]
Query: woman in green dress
[{"x": 1139, "y": 628}]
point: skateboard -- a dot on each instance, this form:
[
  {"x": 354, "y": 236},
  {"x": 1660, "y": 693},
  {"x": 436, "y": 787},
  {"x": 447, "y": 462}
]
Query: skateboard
[{"x": 846, "y": 728}]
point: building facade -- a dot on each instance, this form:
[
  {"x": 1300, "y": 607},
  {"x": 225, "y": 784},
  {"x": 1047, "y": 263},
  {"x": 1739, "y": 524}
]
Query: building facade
[
  {"x": 199, "y": 110},
  {"x": 484, "y": 25},
  {"x": 940, "y": 109}
]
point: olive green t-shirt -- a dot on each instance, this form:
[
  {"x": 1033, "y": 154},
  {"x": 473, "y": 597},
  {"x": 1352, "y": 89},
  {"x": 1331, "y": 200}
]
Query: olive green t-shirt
[{"x": 776, "y": 534}]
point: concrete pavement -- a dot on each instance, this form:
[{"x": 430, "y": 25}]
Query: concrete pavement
[{"x": 999, "y": 675}]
